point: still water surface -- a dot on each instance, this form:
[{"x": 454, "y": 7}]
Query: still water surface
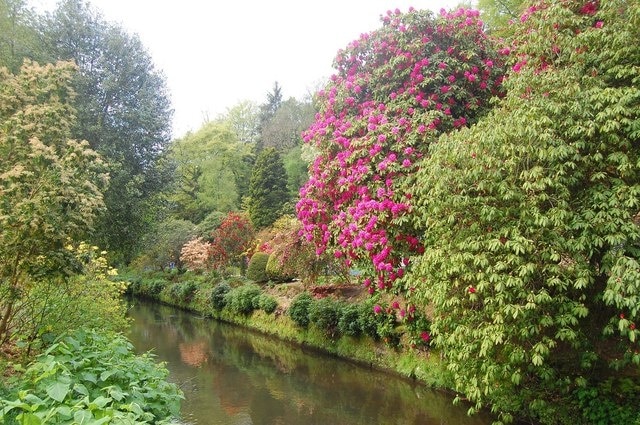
[{"x": 231, "y": 376}]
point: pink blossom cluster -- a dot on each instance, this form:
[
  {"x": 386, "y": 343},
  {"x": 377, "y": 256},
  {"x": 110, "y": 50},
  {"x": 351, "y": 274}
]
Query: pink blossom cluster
[{"x": 396, "y": 89}]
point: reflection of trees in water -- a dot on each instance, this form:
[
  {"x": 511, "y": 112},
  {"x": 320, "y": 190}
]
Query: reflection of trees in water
[
  {"x": 277, "y": 382},
  {"x": 194, "y": 353}
]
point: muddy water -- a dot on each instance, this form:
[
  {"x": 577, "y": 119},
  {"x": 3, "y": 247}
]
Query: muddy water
[{"x": 231, "y": 376}]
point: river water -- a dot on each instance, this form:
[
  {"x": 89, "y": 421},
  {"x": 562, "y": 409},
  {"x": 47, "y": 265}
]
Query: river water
[{"x": 232, "y": 376}]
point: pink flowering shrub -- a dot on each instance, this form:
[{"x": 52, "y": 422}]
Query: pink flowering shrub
[
  {"x": 396, "y": 89},
  {"x": 195, "y": 255}
]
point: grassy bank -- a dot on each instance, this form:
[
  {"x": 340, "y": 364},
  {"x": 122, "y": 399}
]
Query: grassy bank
[{"x": 339, "y": 321}]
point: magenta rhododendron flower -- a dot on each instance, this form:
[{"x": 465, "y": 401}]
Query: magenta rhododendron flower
[
  {"x": 377, "y": 309},
  {"x": 388, "y": 100}
]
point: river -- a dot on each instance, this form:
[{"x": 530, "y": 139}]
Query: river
[{"x": 232, "y": 376}]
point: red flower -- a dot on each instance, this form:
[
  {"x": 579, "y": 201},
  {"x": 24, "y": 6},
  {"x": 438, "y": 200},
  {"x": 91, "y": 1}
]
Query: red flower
[
  {"x": 425, "y": 336},
  {"x": 472, "y": 290}
]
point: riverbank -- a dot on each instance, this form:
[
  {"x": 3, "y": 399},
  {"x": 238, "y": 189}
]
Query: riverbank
[{"x": 195, "y": 293}]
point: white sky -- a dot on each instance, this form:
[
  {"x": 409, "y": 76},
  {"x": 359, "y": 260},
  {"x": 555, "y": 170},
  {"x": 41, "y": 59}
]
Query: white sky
[{"x": 217, "y": 53}]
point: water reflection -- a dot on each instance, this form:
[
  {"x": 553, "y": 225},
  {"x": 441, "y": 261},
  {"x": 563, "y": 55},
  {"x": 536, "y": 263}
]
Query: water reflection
[{"x": 231, "y": 376}]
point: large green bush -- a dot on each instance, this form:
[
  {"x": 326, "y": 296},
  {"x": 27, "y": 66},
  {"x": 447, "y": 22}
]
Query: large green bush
[
  {"x": 267, "y": 303},
  {"x": 241, "y": 300},
  {"x": 88, "y": 377},
  {"x": 349, "y": 323},
  {"x": 218, "y": 295},
  {"x": 299, "y": 309},
  {"x": 325, "y": 315},
  {"x": 257, "y": 268},
  {"x": 532, "y": 224},
  {"x": 184, "y": 291}
]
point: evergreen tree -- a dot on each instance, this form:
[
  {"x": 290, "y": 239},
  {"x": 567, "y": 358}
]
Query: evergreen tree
[{"x": 268, "y": 191}]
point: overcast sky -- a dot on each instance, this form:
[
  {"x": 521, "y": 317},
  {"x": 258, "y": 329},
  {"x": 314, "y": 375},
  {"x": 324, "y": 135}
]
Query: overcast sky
[{"x": 217, "y": 53}]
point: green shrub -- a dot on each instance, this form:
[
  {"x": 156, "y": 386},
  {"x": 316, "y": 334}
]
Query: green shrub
[
  {"x": 183, "y": 291},
  {"x": 240, "y": 300},
  {"x": 367, "y": 320},
  {"x": 218, "y": 299},
  {"x": 89, "y": 377},
  {"x": 598, "y": 403},
  {"x": 149, "y": 287},
  {"x": 187, "y": 290},
  {"x": 325, "y": 315},
  {"x": 267, "y": 303},
  {"x": 257, "y": 268},
  {"x": 277, "y": 269},
  {"x": 299, "y": 309},
  {"x": 349, "y": 323}
]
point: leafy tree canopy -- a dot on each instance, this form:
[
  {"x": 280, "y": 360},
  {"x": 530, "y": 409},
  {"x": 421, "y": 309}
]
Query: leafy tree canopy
[
  {"x": 124, "y": 111},
  {"x": 50, "y": 186},
  {"x": 532, "y": 239},
  {"x": 212, "y": 169}
]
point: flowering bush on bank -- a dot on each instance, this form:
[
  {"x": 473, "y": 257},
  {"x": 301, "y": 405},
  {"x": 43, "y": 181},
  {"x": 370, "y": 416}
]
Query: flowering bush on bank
[
  {"x": 230, "y": 244},
  {"x": 396, "y": 89},
  {"x": 532, "y": 226}
]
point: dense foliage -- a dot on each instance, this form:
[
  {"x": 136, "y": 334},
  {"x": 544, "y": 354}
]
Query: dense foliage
[
  {"x": 231, "y": 241},
  {"x": 124, "y": 112},
  {"x": 211, "y": 168},
  {"x": 50, "y": 186},
  {"x": 532, "y": 239},
  {"x": 257, "y": 268},
  {"x": 290, "y": 255},
  {"x": 396, "y": 90},
  {"x": 268, "y": 192},
  {"x": 87, "y": 377}
]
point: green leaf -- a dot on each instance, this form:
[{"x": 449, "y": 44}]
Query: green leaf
[
  {"x": 537, "y": 360},
  {"x": 58, "y": 390},
  {"x": 101, "y": 402},
  {"x": 107, "y": 374},
  {"x": 29, "y": 419},
  {"x": 82, "y": 417}
]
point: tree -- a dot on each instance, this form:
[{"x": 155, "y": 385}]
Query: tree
[
  {"x": 161, "y": 247},
  {"x": 396, "y": 89},
  {"x": 499, "y": 14},
  {"x": 268, "y": 191},
  {"x": 532, "y": 237},
  {"x": 268, "y": 111},
  {"x": 50, "y": 186},
  {"x": 283, "y": 131},
  {"x": 297, "y": 170},
  {"x": 231, "y": 241},
  {"x": 244, "y": 120},
  {"x": 18, "y": 35},
  {"x": 212, "y": 172},
  {"x": 124, "y": 111}
]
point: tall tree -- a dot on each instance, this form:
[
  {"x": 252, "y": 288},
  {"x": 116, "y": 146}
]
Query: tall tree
[
  {"x": 268, "y": 189},
  {"x": 244, "y": 120},
  {"x": 50, "y": 186},
  {"x": 18, "y": 34},
  {"x": 268, "y": 111},
  {"x": 212, "y": 170},
  {"x": 283, "y": 130},
  {"x": 123, "y": 111},
  {"x": 396, "y": 89}
]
